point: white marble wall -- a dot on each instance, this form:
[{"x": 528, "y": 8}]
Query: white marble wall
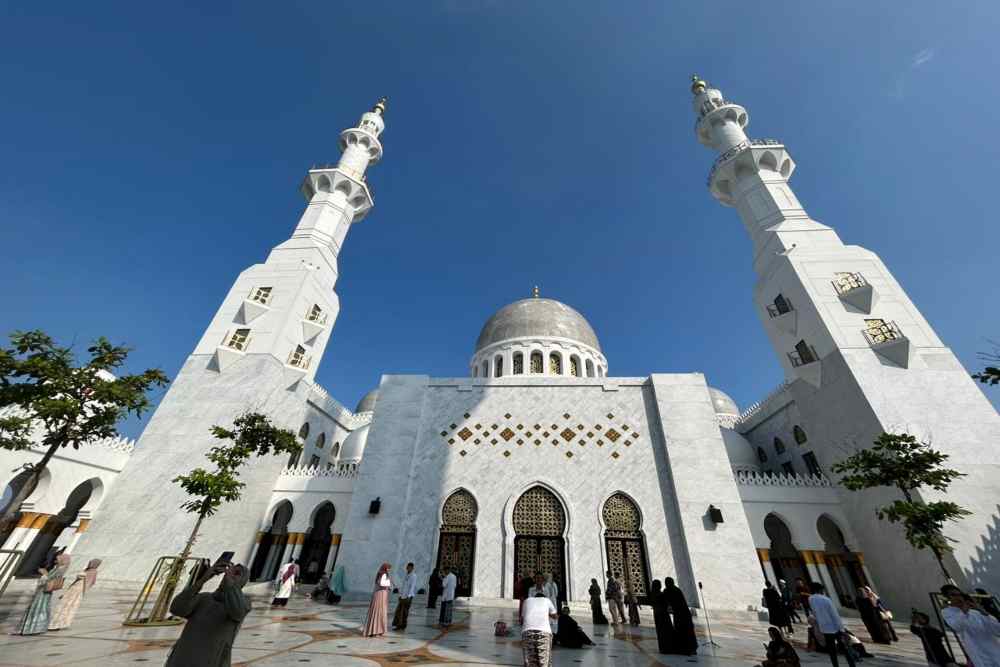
[{"x": 413, "y": 468}]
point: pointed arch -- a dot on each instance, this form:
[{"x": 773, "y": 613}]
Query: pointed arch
[{"x": 457, "y": 539}]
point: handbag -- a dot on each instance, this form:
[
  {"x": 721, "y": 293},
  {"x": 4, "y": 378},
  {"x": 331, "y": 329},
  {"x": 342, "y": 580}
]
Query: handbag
[
  {"x": 54, "y": 584},
  {"x": 886, "y": 615}
]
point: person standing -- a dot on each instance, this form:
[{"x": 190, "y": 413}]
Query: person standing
[
  {"x": 978, "y": 631},
  {"x": 285, "y": 583},
  {"x": 776, "y": 612},
  {"x": 882, "y": 613},
  {"x": 71, "y": 599},
  {"x": 448, "y": 585},
  {"x": 661, "y": 618},
  {"x": 789, "y": 600},
  {"x": 932, "y": 639},
  {"x": 802, "y": 593},
  {"x": 213, "y": 619},
  {"x": 536, "y": 633},
  {"x": 551, "y": 589},
  {"x": 39, "y": 612},
  {"x": 378, "y": 608},
  {"x": 870, "y": 616},
  {"x": 612, "y": 593},
  {"x": 597, "y": 616},
  {"x": 406, "y": 593},
  {"x": 829, "y": 624},
  {"x": 685, "y": 640},
  {"x": 633, "y": 606},
  {"x": 433, "y": 588}
]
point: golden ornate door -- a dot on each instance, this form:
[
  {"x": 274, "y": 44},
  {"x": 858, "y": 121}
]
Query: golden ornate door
[
  {"x": 539, "y": 523},
  {"x": 625, "y": 546},
  {"x": 457, "y": 545}
]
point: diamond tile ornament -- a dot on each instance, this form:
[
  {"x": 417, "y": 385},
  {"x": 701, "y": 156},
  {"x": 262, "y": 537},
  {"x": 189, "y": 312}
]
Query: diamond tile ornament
[
  {"x": 610, "y": 416},
  {"x": 527, "y": 434},
  {"x": 579, "y": 427},
  {"x": 537, "y": 427},
  {"x": 444, "y": 433},
  {"x": 600, "y": 443},
  {"x": 477, "y": 441},
  {"x": 569, "y": 455},
  {"x": 628, "y": 442},
  {"x": 567, "y": 434},
  {"x": 614, "y": 455},
  {"x": 463, "y": 452},
  {"x": 494, "y": 427},
  {"x": 465, "y": 434},
  {"x": 555, "y": 442},
  {"x": 537, "y": 442},
  {"x": 506, "y": 434},
  {"x": 613, "y": 435},
  {"x": 545, "y": 434},
  {"x": 590, "y": 434},
  {"x": 519, "y": 427},
  {"x": 466, "y": 415},
  {"x": 478, "y": 426},
  {"x": 566, "y": 416},
  {"x": 553, "y": 427},
  {"x": 506, "y": 453},
  {"x": 493, "y": 441},
  {"x": 624, "y": 427},
  {"x": 451, "y": 441},
  {"x": 453, "y": 427},
  {"x": 598, "y": 427},
  {"x": 520, "y": 442},
  {"x": 507, "y": 416}
]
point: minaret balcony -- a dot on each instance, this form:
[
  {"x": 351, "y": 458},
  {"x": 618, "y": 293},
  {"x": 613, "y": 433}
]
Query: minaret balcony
[
  {"x": 887, "y": 340},
  {"x": 717, "y": 112},
  {"x": 783, "y": 315},
  {"x": 746, "y": 158},
  {"x": 806, "y": 364},
  {"x": 333, "y": 179},
  {"x": 313, "y": 323},
  {"x": 855, "y": 291}
]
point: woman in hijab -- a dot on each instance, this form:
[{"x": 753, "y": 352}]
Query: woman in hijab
[
  {"x": 777, "y": 613},
  {"x": 213, "y": 619},
  {"x": 882, "y": 613},
  {"x": 596, "y": 610},
  {"x": 36, "y": 618},
  {"x": 779, "y": 652},
  {"x": 434, "y": 588},
  {"x": 285, "y": 583},
  {"x": 661, "y": 618},
  {"x": 337, "y": 586},
  {"x": 870, "y": 617},
  {"x": 685, "y": 641},
  {"x": 569, "y": 634},
  {"x": 378, "y": 610},
  {"x": 70, "y": 601}
]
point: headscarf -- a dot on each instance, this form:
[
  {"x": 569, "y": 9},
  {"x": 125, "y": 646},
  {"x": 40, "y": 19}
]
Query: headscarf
[
  {"x": 288, "y": 572},
  {"x": 383, "y": 568},
  {"x": 337, "y": 584},
  {"x": 62, "y": 564},
  {"x": 237, "y": 604},
  {"x": 90, "y": 574},
  {"x": 870, "y": 594}
]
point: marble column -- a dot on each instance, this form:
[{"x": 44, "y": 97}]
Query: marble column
[
  {"x": 255, "y": 548},
  {"x": 765, "y": 563},
  {"x": 331, "y": 558}
]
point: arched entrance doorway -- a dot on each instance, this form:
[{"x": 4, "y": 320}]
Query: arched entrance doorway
[
  {"x": 785, "y": 558},
  {"x": 11, "y": 490},
  {"x": 845, "y": 567},
  {"x": 625, "y": 545},
  {"x": 36, "y": 554},
  {"x": 457, "y": 544},
  {"x": 539, "y": 547},
  {"x": 316, "y": 547},
  {"x": 272, "y": 545}
]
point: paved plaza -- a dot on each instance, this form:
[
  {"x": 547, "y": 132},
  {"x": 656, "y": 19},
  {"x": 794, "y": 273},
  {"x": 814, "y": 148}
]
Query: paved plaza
[{"x": 311, "y": 633}]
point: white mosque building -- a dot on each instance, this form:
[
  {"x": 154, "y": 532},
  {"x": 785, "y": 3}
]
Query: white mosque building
[{"x": 539, "y": 459}]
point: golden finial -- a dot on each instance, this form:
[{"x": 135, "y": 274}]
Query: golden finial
[
  {"x": 379, "y": 107},
  {"x": 534, "y": 292},
  {"x": 697, "y": 85}
]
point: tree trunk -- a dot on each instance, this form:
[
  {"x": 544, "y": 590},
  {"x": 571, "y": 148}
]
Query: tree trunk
[
  {"x": 162, "y": 606},
  {"x": 27, "y": 488},
  {"x": 940, "y": 559}
]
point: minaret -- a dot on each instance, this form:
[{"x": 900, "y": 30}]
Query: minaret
[
  {"x": 260, "y": 352},
  {"x": 858, "y": 355}
]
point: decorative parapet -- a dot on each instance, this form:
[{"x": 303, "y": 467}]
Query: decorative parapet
[
  {"x": 746, "y": 478},
  {"x": 114, "y": 443},
  {"x": 322, "y": 399},
  {"x": 736, "y": 150},
  {"x": 764, "y": 406},
  {"x": 348, "y": 470},
  {"x": 727, "y": 421}
]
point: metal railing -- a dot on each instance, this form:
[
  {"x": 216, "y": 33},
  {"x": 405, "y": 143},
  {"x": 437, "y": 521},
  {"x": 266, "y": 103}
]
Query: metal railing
[
  {"x": 800, "y": 359},
  {"x": 736, "y": 150},
  {"x": 774, "y": 311},
  {"x": 880, "y": 334},
  {"x": 848, "y": 282}
]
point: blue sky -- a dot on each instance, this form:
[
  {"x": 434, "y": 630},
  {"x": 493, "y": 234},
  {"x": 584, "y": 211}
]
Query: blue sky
[{"x": 152, "y": 152}]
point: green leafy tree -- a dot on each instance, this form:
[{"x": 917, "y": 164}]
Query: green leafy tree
[
  {"x": 252, "y": 434},
  {"x": 901, "y": 461},
  {"x": 57, "y": 403}
]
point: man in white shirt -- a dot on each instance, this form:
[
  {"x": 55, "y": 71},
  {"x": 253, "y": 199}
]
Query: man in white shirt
[
  {"x": 448, "y": 582},
  {"x": 978, "y": 631},
  {"x": 406, "y": 593},
  {"x": 829, "y": 623},
  {"x": 536, "y": 633}
]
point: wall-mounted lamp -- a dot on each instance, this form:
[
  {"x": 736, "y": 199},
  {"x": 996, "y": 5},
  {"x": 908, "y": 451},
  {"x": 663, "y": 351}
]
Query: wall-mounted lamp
[
  {"x": 375, "y": 506},
  {"x": 715, "y": 514}
]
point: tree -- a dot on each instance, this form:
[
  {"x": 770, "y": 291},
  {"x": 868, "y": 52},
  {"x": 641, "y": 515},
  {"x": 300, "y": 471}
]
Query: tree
[
  {"x": 252, "y": 434},
  {"x": 900, "y": 461},
  {"x": 70, "y": 404},
  {"x": 991, "y": 374}
]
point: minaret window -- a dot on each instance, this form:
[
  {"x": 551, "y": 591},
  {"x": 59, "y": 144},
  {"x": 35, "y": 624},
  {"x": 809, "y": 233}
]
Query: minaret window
[
  {"x": 314, "y": 462},
  {"x": 799, "y": 435},
  {"x": 335, "y": 452},
  {"x": 803, "y": 354},
  {"x": 780, "y": 307},
  {"x": 879, "y": 331},
  {"x": 590, "y": 368},
  {"x": 779, "y": 446},
  {"x": 574, "y": 366},
  {"x": 555, "y": 364},
  {"x": 788, "y": 468},
  {"x": 316, "y": 315},
  {"x": 298, "y": 358},
  {"x": 518, "y": 363},
  {"x": 536, "y": 363},
  {"x": 498, "y": 366},
  {"x": 261, "y": 295},
  {"x": 321, "y": 441},
  {"x": 304, "y": 431},
  {"x": 812, "y": 465},
  {"x": 846, "y": 282},
  {"x": 761, "y": 455},
  {"x": 239, "y": 340}
]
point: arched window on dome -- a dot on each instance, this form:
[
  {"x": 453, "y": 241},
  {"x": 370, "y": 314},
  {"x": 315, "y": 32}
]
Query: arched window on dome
[
  {"x": 486, "y": 369},
  {"x": 574, "y": 366},
  {"x": 518, "y": 363},
  {"x": 799, "y": 434},
  {"x": 475, "y": 371},
  {"x": 335, "y": 452},
  {"x": 536, "y": 363},
  {"x": 761, "y": 455},
  {"x": 304, "y": 431},
  {"x": 779, "y": 446},
  {"x": 590, "y": 368},
  {"x": 555, "y": 364},
  {"x": 498, "y": 366},
  {"x": 321, "y": 441}
]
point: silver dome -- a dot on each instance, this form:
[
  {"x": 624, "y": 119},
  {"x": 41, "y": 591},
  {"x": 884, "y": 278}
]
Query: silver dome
[
  {"x": 367, "y": 402},
  {"x": 536, "y": 317},
  {"x": 723, "y": 404}
]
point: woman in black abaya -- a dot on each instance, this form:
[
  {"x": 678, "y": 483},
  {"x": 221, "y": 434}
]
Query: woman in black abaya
[
  {"x": 661, "y": 617},
  {"x": 685, "y": 642}
]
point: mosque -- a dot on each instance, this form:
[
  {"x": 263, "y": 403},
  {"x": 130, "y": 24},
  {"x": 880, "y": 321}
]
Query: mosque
[{"x": 539, "y": 459}]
